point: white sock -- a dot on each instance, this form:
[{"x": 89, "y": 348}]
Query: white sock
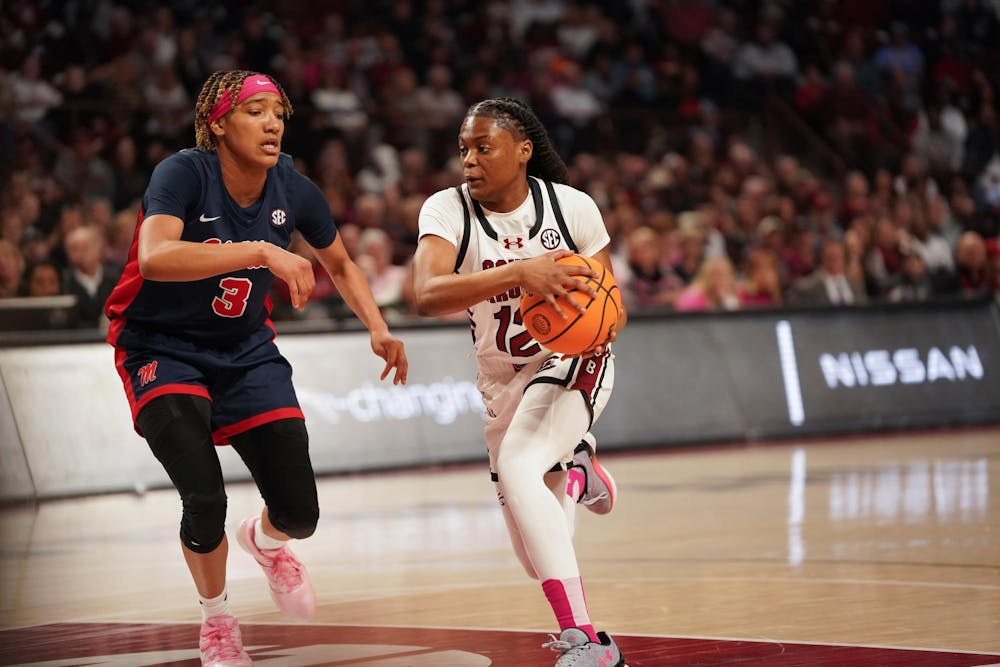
[
  {"x": 265, "y": 542},
  {"x": 217, "y": 606}
]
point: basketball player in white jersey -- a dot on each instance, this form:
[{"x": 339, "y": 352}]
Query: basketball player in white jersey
[{"x": 481, "y": 246}]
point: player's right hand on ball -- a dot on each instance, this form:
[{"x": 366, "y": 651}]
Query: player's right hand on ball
[{"x": 543, "y": 276}]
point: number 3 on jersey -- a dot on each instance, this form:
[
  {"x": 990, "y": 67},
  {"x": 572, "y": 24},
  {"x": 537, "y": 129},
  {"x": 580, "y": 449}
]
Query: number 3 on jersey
[
  {"x": 520, "y": 344},
  {"x": 233, "y": 300}
]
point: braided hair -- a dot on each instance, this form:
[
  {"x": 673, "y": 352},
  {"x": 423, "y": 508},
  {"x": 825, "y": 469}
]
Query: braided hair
[
  {"x": 220, "y": 82},
  {"x": 517, "y": 118}
]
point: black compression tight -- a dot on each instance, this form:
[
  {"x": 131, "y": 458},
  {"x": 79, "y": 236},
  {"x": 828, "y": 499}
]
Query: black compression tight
[{"x": 177, "y": 428}]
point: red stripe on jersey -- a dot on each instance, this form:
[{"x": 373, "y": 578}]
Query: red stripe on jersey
[
  {"x": 128, "y": 285},
  {"x": 222, "y": 435}
]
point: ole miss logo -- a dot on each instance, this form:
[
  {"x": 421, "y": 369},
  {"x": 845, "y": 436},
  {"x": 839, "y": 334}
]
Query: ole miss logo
[
  {"x": 513, "y": 242},
  {"x": 147, "y": 374}
]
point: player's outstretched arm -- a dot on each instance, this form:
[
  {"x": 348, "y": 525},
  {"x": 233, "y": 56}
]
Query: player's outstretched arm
[{"x": 353, "y": 287}]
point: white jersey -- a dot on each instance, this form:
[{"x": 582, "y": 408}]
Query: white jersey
[{"x": 552, "y": 217}]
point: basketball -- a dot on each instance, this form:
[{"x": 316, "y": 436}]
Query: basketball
[{"x": 580, "y": 331}]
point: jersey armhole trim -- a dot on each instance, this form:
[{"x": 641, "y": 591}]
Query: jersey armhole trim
[
  {"x": 560, "y": 220},
  {"x": 466, "y": 229}
]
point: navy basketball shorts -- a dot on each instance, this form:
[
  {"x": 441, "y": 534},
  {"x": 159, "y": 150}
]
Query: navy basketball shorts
[{"x": 248, "y": 383}]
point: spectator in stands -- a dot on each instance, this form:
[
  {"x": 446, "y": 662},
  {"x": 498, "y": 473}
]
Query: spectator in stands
[
  {"x": 766, "y": 65},
  {"x": 119, "y": 240},
  {"x": 647, "y": 281},
  {"x": 385, "y": 278},
  {"x": 987, "y": 196},
  {"x": 719, "y": 47},
  {"x": 761, "y": 285},
  {"x": 129, "y": 176},
  {"x": 974, "y": 275},
  {"x": 86, "y": 277},
  {"x": 338, "y": 108},
  {"x": 845, "y": 116},
  {"x": 856, "y": 239},
  {"x": 982, "y": 142},
  {"x": 713, "y": 288},
  {"x": 439, "y": 107},
  {"x": 408, "y": 229},
  {"x": 11, "y": 269},
  {"x": 81, "y": 171},
  {"x": 43, "y": 279},
  {"x": 666, "y": 93},
  {"x": 902, "y": 61},
  {"x": 577, "y": 108},
  {"x": 933, "y": 248},
  {"x": 33, "y": 95},
  {"x": 691, "y": 244},
  {"x": 29, "y": 210},
  {"x": 828, "y": 285},
  {"x": 166, "y": 104},
  {"x": 913, "y": 283},
  {"x": 11, "y": 224},
  {"x": 939, "y": 138},
  {"x": 884, "y": 258},
  {"x": 799, "y": 254},
  {"x": 35, "y": 246}
]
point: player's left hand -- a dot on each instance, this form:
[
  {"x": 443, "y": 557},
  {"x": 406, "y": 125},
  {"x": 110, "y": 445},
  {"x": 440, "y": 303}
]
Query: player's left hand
[
  {"x": 602, "y": 347},
  {"x": 599, "y": 349},
  {"x": 390, "y": 348}
]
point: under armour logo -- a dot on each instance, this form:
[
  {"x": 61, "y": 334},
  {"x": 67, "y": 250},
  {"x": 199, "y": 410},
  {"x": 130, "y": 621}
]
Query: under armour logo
[{"x": 513, "y": 242}]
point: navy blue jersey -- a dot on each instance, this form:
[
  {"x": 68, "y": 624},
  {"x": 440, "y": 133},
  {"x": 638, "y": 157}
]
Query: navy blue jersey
[{"x": 226, "y": 308}]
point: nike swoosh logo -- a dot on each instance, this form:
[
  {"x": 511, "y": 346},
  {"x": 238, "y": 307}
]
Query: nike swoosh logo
[
  {"x": 202, "y": 218},
  {"x": 261, "y": 83}
]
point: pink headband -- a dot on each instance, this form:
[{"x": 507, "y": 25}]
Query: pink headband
[{"x": 252, "y": 85}]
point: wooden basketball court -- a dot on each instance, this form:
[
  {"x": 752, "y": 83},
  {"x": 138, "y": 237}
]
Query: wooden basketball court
[{"x": 876, "y": 550}]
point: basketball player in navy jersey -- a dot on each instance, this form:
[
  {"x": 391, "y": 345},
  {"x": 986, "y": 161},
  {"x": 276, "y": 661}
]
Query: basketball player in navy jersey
[
  {"x": 194, "y": 343},
  {"x": 481, "y": 245}
]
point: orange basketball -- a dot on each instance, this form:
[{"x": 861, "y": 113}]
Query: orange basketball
[{"x": 580, "y": 331}]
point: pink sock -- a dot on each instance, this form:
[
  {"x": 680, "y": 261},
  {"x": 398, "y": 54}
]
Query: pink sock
[{"x": 569, "y": 604}]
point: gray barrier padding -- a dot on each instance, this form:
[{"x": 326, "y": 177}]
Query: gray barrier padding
[{"x": 680, "y": 379}]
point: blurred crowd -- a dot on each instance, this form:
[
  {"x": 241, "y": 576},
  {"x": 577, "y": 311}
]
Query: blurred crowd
[{"x": 744, "y": 154}]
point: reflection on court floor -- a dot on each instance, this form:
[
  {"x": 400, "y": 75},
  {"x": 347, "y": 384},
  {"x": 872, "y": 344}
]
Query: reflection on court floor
[
  {"x": 165, "y": 645},
  {"x": 874, "y": 550}
]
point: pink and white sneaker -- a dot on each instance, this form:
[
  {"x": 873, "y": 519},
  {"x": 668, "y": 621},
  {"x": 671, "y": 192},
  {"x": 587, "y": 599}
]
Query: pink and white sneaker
[
  {"x": 221, "y": 644},
  {"x": 291, "y": 589},
  {"x": 588, "y": 482}
]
